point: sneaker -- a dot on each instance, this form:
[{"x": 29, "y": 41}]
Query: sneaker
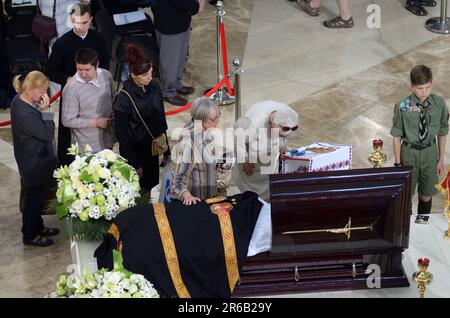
[{"x": 176, "y": 100}]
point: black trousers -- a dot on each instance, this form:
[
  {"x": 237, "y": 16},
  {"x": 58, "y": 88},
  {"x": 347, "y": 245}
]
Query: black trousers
[
  {"x": 64, "y": 140},
  {"x": 32, "y": 222}
]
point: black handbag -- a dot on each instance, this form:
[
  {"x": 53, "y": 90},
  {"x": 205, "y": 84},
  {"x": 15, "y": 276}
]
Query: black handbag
[{"x": 43, "y": 27}]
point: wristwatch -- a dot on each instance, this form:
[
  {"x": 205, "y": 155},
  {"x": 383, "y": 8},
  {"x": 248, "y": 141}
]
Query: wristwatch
[{"x": 397, "y": 164}]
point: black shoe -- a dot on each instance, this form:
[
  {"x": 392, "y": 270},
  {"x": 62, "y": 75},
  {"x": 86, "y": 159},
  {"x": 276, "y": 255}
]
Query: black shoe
[
  {"x": 416, "y": 9},
  {"x": 176, "y": 100},
  {"x": 186, "y": 90},
  {"x": 40, "y": 241},
  {"x": 49, "y": 231},
  {"x": 428, "y": 3}
]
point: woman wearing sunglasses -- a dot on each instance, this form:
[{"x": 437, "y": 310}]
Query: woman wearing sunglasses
[{"x": 260, "y": 138}]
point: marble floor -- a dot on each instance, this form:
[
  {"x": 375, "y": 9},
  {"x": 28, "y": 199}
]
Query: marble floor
[{"x": 343, "y": 83}]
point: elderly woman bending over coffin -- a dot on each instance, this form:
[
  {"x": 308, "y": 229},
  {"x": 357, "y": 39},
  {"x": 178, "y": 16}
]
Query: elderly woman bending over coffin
[{"x": 260, "y": 137}]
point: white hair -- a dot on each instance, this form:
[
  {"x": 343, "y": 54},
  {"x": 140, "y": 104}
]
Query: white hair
[{"x": 285, "y": 117}]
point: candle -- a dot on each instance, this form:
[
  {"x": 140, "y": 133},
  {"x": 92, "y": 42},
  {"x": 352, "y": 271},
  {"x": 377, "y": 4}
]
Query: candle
[
  {"x": 377, "y": 142},
  {"x": 423, "y": 261}
]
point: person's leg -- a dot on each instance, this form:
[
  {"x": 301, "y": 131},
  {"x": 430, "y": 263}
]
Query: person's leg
[
  {"x": 409, "y": 157},
  {"x": 32, "y": 223},
  {"x": 64, "y": 139},
  {"x": 314, "y": 3},
  {"x": 427, "y": 179},
  {"x": 344, "y": 20},
  {"x": 343, "y": 9},
  {"x": 312, "y": 7},
  {"x": 169, "y": 57},
  {"x": 183, "y": 42}
]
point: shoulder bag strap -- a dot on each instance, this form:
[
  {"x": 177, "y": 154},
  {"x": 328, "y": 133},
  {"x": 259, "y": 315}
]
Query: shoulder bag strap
[
  {"x": 38, "y": 10},
  {"x": 137, "y": 111},
  {"x": 54, "y": 8}
]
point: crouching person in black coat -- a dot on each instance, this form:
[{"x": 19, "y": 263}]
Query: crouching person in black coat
[{"x": 33, "y": 138}]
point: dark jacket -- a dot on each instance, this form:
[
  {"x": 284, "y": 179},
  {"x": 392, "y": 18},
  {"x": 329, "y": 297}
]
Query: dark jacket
[
  {"x": 61, "y": 63},
  {"x": 174, "y": 16},
  {"x": 33, "y": 134},
  {"x": 130, "y": 131}
]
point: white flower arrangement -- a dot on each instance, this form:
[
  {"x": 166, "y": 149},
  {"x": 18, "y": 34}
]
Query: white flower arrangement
[
  {"x": 118, "y": 283},
  {"x": 95, "y": 187}
]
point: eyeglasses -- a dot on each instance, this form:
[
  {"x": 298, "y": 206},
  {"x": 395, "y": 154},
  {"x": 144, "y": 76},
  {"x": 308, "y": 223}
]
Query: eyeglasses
[{"x": 286, "y": 129}]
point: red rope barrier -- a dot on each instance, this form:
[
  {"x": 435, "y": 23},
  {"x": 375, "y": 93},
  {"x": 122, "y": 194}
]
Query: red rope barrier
[
  {"x": 186, "y": 107},
  {"x": 224, "y": 49},
  {"x": 55, "y": 97},
  {"x": 5, "y": 123},
  {"x": 225, "y": 58}
]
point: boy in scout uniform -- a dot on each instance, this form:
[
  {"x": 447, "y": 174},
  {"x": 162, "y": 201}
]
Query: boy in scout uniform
[{"x": 418, "y": 120}]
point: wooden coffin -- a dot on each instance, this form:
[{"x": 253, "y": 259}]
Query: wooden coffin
[{"x": 329, "y": 227}]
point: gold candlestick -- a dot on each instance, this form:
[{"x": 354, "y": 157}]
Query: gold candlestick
[
  {"x": 447, "y": 214},
  {"x": 422, "y": 277},
  {"x": 377, "y": 158}
]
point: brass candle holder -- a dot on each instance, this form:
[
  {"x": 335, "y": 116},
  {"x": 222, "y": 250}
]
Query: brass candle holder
[
  {"x": 422, "y": 277},
  {"x": 377, "y": 158}
]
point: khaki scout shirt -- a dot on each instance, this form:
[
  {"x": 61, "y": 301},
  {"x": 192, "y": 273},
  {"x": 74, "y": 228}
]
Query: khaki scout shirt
[{"x": 407, "y": 117}]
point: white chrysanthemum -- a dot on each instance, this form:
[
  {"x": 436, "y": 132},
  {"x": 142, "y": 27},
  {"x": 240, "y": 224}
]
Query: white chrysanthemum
[
  {"x": 106, "y": 192},
  {"x": 86, "y": 203},
  {"x": 110, "y": 199},
  {"x": 104, "y": 173},
  {"x": 94, "y": 213}
]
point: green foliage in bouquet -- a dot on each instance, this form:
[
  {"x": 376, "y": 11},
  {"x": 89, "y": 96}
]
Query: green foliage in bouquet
[
  {"x": 92, "y": 190},
  {"x": 118, "y": 283}
]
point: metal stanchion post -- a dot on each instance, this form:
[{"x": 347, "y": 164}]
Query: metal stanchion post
[
  {"x": 221, "y": 96},
  {"x": 237, "y": 88},
  {"x": 439, "y": 24}
]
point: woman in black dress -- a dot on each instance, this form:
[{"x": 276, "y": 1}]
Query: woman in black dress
[{"x": 140, "y": 92}]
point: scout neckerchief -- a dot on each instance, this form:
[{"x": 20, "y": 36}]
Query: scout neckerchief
[{"x": 423, "y": 127}]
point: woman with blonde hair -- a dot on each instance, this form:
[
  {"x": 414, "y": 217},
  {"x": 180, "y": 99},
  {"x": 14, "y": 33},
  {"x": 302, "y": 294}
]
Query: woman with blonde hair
[{"x": 33, "y": 134}]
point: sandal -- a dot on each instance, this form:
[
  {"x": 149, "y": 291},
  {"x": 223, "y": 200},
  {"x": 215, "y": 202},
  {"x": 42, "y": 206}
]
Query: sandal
[
  {"x": 40, "y": 241},
  {"x": 49, "y": 231},
  {"x": 338, "y": 23},
  {"x": 416, "y": 9},
  {"x": 428, "y": 3},
  {"x": 304, "y": 5}
]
